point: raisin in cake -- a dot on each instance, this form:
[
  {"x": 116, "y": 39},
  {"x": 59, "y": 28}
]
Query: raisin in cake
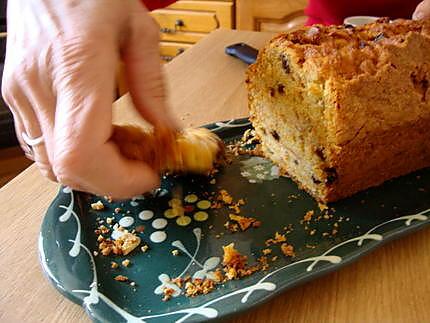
[{"x": 341, "y": 109}]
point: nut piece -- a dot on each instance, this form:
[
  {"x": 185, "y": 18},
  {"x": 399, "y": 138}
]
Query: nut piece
[
  {"x": 98, "y": 206},
  {"x": 128, "y": 242}
]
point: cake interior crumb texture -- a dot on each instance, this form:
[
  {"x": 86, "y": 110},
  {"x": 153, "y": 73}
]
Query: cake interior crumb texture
[{"x": 341, "y": 109}]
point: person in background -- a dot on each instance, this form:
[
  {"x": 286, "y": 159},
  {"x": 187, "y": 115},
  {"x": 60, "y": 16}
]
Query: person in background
[
  {"x": 333, "y": 12},
  {"x": 59, "y": 81}
]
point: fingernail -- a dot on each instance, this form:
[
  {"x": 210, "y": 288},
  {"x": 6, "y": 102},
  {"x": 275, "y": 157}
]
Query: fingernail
[{"x": 418, "y": 15}]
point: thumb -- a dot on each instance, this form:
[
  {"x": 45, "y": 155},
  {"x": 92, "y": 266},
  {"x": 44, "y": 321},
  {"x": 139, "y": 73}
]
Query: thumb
[
  {"x": 143, "y": 69},
  {"x": 422, "y": 11}
]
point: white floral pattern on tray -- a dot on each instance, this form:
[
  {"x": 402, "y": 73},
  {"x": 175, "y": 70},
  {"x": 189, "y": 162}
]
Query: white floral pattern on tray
[
  {"x": 205, "y": 268},
  {"x": 257, "y": 170}
]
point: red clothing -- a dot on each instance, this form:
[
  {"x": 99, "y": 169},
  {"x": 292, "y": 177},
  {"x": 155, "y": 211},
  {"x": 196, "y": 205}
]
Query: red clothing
[
  {"x": 333, "y": 12},
  {"x": 155, "y": 4}
]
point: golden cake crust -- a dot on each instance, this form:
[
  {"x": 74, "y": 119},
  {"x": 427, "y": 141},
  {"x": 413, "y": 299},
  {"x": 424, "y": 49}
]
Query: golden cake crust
[{"x": 334, "y": 104}]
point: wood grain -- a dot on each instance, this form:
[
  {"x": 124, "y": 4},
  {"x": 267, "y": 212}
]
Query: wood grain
[
  {"x": 390, "y": 285},
  {"x": 253, "y": 14}
]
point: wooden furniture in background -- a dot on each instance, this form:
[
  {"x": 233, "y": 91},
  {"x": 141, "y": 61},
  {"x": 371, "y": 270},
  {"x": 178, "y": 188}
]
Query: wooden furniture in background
[
  {"x": 270, "y": 15},
  {"x": 185, "y": 22},
  {"x": 389, "y": 285},
  {"x": 12, "y": 162}
]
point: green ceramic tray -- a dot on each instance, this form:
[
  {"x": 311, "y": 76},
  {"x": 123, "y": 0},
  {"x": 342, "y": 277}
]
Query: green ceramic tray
[{"x": 365, "y": 222}]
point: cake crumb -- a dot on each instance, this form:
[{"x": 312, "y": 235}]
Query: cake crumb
[
  {"x": 104, "y": 229},
  {"x": 232, "y": 257},
  {"x": 198, "y": 287},
  {"x": 267, "y": 251},
  {"x": 144, "y": 248},
  {"x": 133, "y": 284},
  {"x": 175, "y": 252},
  {"x": 121, "y": 278},
  {"x": 308, "y": 216},
  {"x": 225, "y": 197},
  {"x": 117, "y": 210},
  {"x": 109, "y": 220},
  {"x": 95, "y": 253},
  {"x": 287, "y": 250},
  {"x": 277, "y": 239},
  {"x": 140, "y": 228},
  {"x": 98, "y": 206},
  {"x": 168, "y": 292},
  {"x": 113, "y": 265},
  {"x": 121, "y": 246},
  {"x": 244, "y": 222},
  {"x": 126, "y": 262},
  {"x": 108, "y": 198},
  {"x": 322, "y": 207}
]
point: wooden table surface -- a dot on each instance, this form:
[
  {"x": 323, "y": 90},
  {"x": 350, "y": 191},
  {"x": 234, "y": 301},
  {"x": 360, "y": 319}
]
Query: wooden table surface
[{"x": 390, "y": 285}]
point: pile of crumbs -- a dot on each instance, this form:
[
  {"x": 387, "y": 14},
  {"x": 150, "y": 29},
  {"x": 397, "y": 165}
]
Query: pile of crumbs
[
  {"x": 123, "y": 245},
  {"x": 325, "y": 214},
  {"x": 234, "y": 266},
  {"x": 236, "y": 222}
]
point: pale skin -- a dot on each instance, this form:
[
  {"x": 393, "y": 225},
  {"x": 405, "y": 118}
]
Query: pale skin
[{"x": 59, "y": 82}]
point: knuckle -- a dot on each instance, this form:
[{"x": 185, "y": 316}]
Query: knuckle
[{"x": 9, "y": 88}]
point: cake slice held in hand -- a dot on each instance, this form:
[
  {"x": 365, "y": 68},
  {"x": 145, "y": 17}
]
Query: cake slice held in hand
[{"x": 192, "y": 150}]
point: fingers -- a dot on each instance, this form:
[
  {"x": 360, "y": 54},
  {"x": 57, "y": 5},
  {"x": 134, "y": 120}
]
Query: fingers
[
  {"x": 84, "y": 79},
  {"x": 422, "y": 11},
  {"x": 27, "y": 126},
  {"x": 106, "y": 173},
  {"x": 144, "y": 70}
]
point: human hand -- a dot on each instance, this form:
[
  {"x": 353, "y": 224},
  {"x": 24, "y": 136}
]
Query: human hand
[
  {"x": 59, "y": 82},
  {"x": 422, "y": 11}
]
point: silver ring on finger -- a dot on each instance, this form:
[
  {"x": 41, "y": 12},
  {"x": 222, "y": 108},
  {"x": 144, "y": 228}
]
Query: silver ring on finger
[{"x": 31, "y": 142}]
